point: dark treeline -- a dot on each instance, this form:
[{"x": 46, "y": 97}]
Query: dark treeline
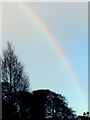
[
  {"x": 18, "y": 103},
  {"x": 38, "y": 105}
]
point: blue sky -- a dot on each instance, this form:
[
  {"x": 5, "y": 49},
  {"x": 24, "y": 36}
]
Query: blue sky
[{"x": 68, "y": 24}]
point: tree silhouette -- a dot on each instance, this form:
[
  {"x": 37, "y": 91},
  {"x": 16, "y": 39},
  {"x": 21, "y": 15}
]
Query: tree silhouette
[
  {"x": 14, "y": 80},
  {"x": 13, "y": 71},
  {"x": 38, "y": 105},
  {"x": 57, "y": 107},
  {"x": 19, "y": 104}
]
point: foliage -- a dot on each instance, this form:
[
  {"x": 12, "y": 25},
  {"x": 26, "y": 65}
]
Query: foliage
[
  {"x": 38, "y": 105},
  {"x": 19, "y": 104},
  {"x": 13, "y": 71}
]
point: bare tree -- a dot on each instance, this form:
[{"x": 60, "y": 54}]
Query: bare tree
[{"x": 13, "y": 71}]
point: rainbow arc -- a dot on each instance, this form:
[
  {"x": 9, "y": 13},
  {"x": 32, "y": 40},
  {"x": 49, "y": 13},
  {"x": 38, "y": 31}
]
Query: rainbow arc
[{"x": 58, "y": 50}]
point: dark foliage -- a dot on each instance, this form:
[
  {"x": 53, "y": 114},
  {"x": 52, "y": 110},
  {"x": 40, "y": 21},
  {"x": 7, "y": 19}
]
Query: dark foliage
[
  {"x": 19, "y": 104},
  {"x": 12, "y": 71},
  {"x": 38, "y": 105},
  {"x": 9, "y": 111}
]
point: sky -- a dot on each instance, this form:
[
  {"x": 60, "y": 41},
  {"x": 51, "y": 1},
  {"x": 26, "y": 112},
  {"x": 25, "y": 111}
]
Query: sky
[{"x": 51, "y": 40}]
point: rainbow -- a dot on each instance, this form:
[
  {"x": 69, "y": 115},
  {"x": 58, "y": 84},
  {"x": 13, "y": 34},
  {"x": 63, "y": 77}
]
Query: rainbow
[{"x": 57, "y": 48}]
